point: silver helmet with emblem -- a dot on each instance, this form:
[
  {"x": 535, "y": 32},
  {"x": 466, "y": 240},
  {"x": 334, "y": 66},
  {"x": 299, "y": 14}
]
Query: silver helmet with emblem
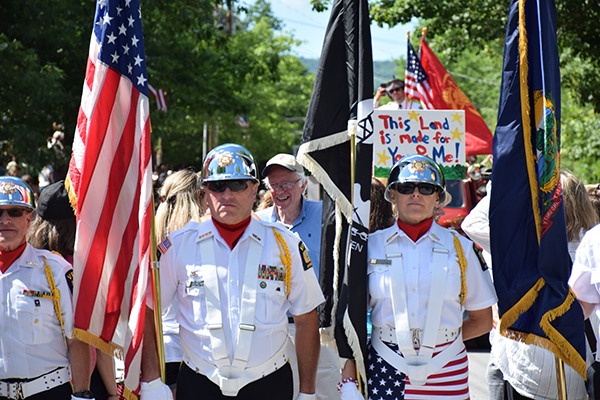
[
  {"x": 229, "y": 162},
  {"x": 15, "y": 192},
  {"x": 418, "y": 169}
]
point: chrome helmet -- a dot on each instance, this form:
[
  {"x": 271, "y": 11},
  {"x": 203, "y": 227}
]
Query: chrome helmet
[
  {"x": 14, "y": 191},
  {"x": 228, "y": 162},
  {"x": 417, "y": 168}
]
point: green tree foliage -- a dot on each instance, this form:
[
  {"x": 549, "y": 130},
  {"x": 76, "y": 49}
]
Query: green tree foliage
[{"x": 210, "y": 75}]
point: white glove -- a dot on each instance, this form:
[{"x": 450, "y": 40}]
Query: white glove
[
  {"x": 350, "y": 392},
  {"x": 304, "y": 396},
  {"x": 155, "y": 390}
]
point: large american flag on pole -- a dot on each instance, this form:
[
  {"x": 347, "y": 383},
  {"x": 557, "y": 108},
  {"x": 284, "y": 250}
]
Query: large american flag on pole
[
  {"x": 110, "y": 186},
  {"x": 416, "y": 86}
]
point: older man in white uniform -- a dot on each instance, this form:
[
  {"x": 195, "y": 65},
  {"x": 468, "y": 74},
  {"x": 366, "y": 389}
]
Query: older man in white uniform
[
  {"x": 234, "y": 278},
  {"x": 36, "y": 311}
]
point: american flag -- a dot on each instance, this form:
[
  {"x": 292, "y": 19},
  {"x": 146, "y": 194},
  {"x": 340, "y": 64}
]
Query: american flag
[
  {"x": 416, "y": 86},
  {"x": 160, "y": 96},
  {"x": 110, "y": 183}
]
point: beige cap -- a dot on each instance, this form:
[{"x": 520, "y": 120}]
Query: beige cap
[{"x": 287, "y": 161}]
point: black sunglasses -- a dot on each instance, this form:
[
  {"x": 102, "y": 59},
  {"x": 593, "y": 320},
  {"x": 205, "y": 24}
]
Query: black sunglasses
[
  {"x": 426, "y": 189},
  {"x": 13, "y": 212},
  {"x": 395, "y": 89},
  {"x": 220, "y": 186}
]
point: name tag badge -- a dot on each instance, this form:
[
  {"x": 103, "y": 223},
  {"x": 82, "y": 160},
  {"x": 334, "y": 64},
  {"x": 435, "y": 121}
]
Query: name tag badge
[{"x": 189, "y": 285}]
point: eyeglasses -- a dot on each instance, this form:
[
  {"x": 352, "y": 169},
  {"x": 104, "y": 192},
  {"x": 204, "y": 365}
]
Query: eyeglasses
[
  {"x": 220, "y": 186},
  {"x": 426, "y": 189},
  {"x": 397, "y": 88},
  {"x": 282, "y": 186},
  {"x": 13, "y": 212}
]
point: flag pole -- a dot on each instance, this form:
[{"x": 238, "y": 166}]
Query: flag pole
[
  {"x": 560, "y": 378},
  {"x": 157, "y": 303}
]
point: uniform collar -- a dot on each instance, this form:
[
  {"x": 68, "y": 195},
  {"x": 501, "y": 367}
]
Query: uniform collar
[
  {"x": 28, "y": 259},
  {"x": 435, "y": 233},
  {"x": 208, "y": 229}
]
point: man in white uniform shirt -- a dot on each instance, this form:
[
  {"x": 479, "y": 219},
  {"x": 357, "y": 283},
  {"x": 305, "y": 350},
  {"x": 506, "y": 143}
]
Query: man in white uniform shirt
[
  {"x": 36, "y": 340},
  {"x": 234, "y": 278}
]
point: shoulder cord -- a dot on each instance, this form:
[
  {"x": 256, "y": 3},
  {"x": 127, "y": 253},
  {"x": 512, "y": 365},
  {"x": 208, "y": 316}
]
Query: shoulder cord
[
  {"x": 286, "y": 259},
  {"x": 463, "y": 266},
  {"x": 55, "y": 295}
]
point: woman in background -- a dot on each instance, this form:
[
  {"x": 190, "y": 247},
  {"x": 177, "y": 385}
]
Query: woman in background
[{"x": 181, "y": 198}]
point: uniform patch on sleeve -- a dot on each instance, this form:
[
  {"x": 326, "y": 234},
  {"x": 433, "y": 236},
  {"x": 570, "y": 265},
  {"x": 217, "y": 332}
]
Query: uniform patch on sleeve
[
  {"x": 480, "y": 257},
  {"x": 164, "y": 245},
  {"x": 69, "y": 277},
  {"x": 306, "y": 263}
]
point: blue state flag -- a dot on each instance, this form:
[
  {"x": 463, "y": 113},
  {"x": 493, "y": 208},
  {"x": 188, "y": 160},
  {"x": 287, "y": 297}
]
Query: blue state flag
[{"x": 531, "y": 263}]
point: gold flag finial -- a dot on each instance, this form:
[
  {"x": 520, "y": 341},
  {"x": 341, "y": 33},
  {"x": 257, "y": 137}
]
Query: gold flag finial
[
  {"x": 424, "y": 31},
  {"x": 408, "y": 35}
]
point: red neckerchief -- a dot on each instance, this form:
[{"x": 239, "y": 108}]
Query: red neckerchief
[
  {"x": 232, "y": 233},
  {"x": 8, "y": 257},
  {"x": 416, "y": 231}
]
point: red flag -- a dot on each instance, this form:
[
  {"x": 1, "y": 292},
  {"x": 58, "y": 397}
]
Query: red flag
[
  {"x": 446, "y": 95},
  {"x": 110, "y": 186}
]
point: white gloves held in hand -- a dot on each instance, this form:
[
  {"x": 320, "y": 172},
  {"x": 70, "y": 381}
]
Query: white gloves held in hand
[{"x": 155, "y": 390}]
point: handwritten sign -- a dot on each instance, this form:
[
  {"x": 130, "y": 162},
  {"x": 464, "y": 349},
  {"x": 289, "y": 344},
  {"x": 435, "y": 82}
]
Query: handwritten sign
[{"x": 439, "y": 134}]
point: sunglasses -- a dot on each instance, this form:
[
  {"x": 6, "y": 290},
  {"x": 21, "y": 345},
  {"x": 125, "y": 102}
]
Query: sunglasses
[
  {"x": 395, "y": 89},
  {"x": 220, "y": 186},
  {"x": 426, "y": 189},
  {"x": 13, "y": 212}
]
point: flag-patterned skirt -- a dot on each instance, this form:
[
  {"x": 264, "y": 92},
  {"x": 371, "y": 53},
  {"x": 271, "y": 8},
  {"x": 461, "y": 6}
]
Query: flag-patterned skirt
[{"x": 386, "y": 383}]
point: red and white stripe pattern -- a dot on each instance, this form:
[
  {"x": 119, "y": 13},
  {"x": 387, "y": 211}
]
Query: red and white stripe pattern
[
  {"x": 110, "y": 178},
  {"x": 160, "y": 96},
  {"x": 451, "y": 383},
  {"x": 385, "y": 382},
  {"x": 416, "y": 86}
]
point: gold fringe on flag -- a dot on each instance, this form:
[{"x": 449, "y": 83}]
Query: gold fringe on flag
[
  {"x": 525, "y": 117},
  {"x": 93, "y": 340},
  {"x": 72, "y": 195},
  {"x": 555, "y": 343}
]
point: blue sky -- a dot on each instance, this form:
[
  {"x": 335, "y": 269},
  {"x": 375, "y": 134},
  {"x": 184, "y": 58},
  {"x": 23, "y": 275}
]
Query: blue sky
[{"x": 309, "y": 26}]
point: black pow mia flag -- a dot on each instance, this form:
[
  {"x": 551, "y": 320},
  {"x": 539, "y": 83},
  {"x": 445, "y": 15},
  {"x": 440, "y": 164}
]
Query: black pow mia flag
[{"x": 342, "y": 103}]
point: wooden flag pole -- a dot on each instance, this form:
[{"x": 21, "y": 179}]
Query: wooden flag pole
[{"x": 157, "y": 303}]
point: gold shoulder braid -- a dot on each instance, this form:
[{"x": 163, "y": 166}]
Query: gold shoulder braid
[
  {"x": 286, "y": 259},
  {"x": 463, "y": 266},
  {"x": 55, "y": 293}
]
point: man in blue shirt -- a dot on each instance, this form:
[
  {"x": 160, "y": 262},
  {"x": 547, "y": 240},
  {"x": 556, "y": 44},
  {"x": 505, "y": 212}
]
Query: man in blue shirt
[{"x": 285, "y": 179}]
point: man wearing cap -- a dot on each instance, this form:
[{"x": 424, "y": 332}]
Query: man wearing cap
[
  {"x": 37, "y": 313},
  {"x": 234, "y": 278},
  {"x": 395, "y": 89},
  {"x": 285, "y": 179}
]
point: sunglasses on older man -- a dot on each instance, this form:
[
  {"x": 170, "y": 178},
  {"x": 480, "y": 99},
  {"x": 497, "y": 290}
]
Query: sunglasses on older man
[
  {"x": 220, "y": 186},
  {"x": 426, "y": 189},
  {"x": 13, "y": 212}
]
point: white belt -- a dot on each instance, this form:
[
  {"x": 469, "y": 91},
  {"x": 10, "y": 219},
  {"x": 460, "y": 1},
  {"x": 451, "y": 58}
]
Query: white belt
[
  {"x": 388, "y": 335},
  {"x": 22, "y": 390},
  {"x": 231, "y": 386},
  {"x": 418, "y": 368}
]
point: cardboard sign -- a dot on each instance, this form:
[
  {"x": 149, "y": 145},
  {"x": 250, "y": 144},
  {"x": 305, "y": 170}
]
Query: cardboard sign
[{"x": 439, "y": 134}]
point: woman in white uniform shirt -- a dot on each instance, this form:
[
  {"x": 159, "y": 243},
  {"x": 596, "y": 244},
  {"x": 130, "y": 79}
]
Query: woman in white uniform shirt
[{"x": 421, "y": 279}]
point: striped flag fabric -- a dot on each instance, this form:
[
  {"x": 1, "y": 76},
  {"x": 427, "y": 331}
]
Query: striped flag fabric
[
  {"x": 416, "y": 86},
  {"x": 527, "y": 221},
  {"x": 160, "y": 96},
  {"x": 110, "y": 187}
]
